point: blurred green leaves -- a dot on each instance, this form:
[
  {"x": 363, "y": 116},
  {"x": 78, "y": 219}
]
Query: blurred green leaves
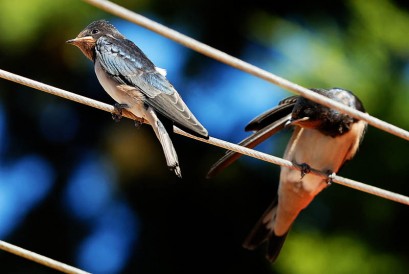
[
  {"x": 311, "y": 253},
  {"x": 24, "y": 22},
  {"x": 14, "y": 25},
  {"x": 383, "y": 22}
]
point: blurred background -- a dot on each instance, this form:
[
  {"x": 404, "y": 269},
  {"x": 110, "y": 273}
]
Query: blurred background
[{"x": 81, "y": 189}]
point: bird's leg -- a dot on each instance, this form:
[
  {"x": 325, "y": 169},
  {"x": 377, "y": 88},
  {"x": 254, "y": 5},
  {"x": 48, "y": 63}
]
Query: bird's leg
[
  {"x": 305, "y": 169},
  {"x": 117, "y": 114},
  {"x": 138, "y": 123}
]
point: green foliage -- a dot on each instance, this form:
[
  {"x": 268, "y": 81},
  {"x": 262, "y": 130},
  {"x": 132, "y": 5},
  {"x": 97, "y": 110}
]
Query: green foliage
[
  {"x": 312, "y": 253},
  {"x": 24, "y": 22},
  {"x": 381, "y": 22}
]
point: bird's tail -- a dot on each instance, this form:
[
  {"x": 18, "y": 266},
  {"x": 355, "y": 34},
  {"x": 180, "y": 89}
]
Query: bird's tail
[
  {"x": 167, "y": 145},
  {"x": 264, "y": 231}
]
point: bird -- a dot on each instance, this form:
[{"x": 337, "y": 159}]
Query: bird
[
  {"x": 322, "y": 138},
  {"x": 137, "y": 85}
]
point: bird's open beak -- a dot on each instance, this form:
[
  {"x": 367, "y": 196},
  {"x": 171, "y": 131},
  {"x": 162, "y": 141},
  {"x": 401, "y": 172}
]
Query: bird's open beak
[
  {"x": 304, "y": 122},
  {"x": 81, "y": 40},
  {"x": 296, "y": 122}
]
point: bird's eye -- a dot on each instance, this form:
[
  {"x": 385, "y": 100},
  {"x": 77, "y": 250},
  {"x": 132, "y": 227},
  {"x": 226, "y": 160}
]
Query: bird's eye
[{"x": 94, "y": 31}]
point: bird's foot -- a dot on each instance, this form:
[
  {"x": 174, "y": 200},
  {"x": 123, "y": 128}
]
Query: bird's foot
[
  {"x": 138, "y": 123},
  {"x": 305, "y": 169},
  {"x": 330, "y": 177},
  {"x": 117, "y": 114}
]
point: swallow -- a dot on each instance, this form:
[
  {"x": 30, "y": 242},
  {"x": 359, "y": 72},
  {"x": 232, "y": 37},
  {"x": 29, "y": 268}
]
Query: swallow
[
  {"x": 323, "y": 139},
  {"x": 137, "y": 85}
]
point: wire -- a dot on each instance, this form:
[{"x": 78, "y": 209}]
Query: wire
[
  {"x": 213, "y": 141},
  {"x": 40, "y": 259},
  {"x": 244, "y": 66},
  {"x": 282, "y": 162}
]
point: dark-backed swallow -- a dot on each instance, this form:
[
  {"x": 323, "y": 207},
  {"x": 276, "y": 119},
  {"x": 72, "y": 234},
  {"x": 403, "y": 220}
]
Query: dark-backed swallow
[
  {"x": 136, "y": 84},
  {"x": 323, "y": 139}
]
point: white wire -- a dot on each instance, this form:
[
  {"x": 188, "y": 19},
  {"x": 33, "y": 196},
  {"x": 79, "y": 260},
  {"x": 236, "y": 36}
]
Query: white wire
[
  {"x": 40, "y": 259},
  {"x": 282, "y": 162}
]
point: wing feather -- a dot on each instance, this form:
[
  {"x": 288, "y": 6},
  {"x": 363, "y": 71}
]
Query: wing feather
[
  {"x": 249, "y": 142},
  {"x": 124, "y": 61},
  {"x": 284, "y": 107}
]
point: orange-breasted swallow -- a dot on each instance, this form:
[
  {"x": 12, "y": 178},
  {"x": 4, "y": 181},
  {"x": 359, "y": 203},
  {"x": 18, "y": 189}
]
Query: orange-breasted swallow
[{"x": 323, "y": 139}]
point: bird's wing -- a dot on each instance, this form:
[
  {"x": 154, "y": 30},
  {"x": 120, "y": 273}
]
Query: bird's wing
[
  {"x": 357, "y": 131},
  {"x": 264, "y": 125},
  {"x": 284, "y": 107},
  {"x": 124, "y": 61},
  {"x": 249, "y": 142}
]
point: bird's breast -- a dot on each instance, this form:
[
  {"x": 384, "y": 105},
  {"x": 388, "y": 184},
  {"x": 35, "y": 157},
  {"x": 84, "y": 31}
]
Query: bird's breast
[
  {"x": 109, "y": 84},
  {"x": 320, "y": 152}
]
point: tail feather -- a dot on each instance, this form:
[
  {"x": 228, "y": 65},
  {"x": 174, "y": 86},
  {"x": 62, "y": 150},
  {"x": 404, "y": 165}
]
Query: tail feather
[
  {"x": 167, "y": 145},
  {"x": 250, "y": 142},
  {"x": 275, "y": 243},
  {"x": 263, "y": 231},
  {"x": 168, "y": 149},
  {"x": 257, "y": 237}
]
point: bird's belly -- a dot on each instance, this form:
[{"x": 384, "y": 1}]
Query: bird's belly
[
  {"x": 321, "y": 152},
  {"x": 122, "y": 94},
  {"x": 109, "y": 85}
]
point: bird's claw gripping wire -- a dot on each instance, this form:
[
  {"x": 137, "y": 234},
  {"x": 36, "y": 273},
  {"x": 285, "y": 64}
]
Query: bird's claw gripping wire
[
  {"x": 305, "y": 169},
  {"x": 138, "y": 123},
  {"x": 117, "y": 114}
]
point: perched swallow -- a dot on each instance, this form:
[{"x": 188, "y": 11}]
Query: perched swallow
[
  {"x": 136, "y": 84},
  {"x": 323, "y": 139}
]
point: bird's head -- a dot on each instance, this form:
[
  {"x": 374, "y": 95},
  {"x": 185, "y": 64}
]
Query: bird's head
[
  {"x": 87, "y": 38},
  {"x": 308, "y": 114}
]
